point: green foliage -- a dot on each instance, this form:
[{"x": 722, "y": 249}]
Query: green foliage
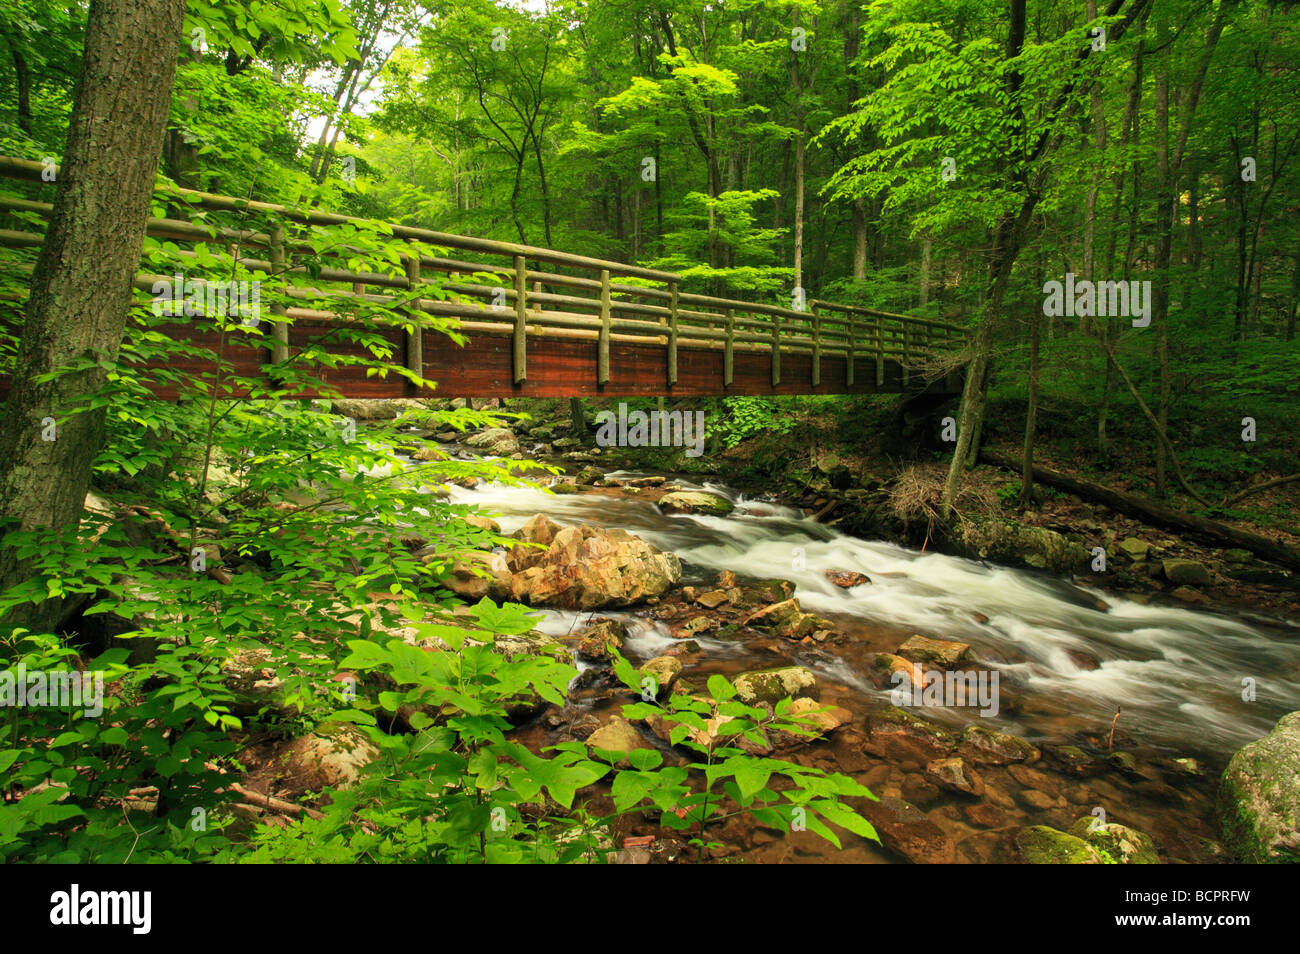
[{"x": 744, "y": 417}]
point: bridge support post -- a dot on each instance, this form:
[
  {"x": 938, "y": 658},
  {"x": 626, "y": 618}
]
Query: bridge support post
[
  {"x": 817, "y": 346},
  {"x": 776, "y": 350},
  {"x": 728, "y": 354},
  {"x": 519, "y": 353},
  {"x": 415, "y": 336},
  {"x": 280, "y": 328},
  {"x": 907, "y": 339},
  {"x": 880, "y": 352},
  {"x": 851, "y": 326},
  {"x": 672, "y": 334},
  {"x": 602, "y": 357}
]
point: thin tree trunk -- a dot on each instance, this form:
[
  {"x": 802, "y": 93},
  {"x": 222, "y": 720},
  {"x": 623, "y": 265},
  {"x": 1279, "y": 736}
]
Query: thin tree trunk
[
  {"x": 81, "y": 286},
  {"x": 1031, "y": 414}
]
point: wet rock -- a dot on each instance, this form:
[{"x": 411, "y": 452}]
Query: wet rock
[
  {"x": 983, "y": 745},
  {"x": 984, "y": 815},
  {"x": 884, "y": 665},
  {"x": 1189, "y": 595},
  {"x": 767, "y": 591},
  {"x": 1073, "y": 759},
  {"x": 940, "y": 653},
  {"x": 900, "y": 736},
  {"x": 773, "y": 685},
  {"x": 712, "y": 599},
  {"x": 1185, "y": 572},
  {"x": 1039, "y": 801},
  {"x": 787, "y": 619},
  {"x": 497, "y": 441},
  {"x": 955, "y": 775},
  {"x": 1237, "y": 556},
  {"x": 695, "y": 501},
  {"x": 1085, "y": 661},
  {"x": 664, "y": 670},
  {"x": 726, "y": 580},
  {"x": 847, "y": 579},
  {"x": 1013, "y": 543},
  {"x": 694, "y": 627},
  {"x": 1117, "y": 844},
  {"x": 588, "y": 476},
  {"x": 979, "y": 618},
  {"x": 905, "y": 831},
  {"x": 1125, "y": 763},
  {"x": 1041, "y": 845},
  {"x": 600, "y": 640},
  {"x": 539, "y": 529},
  {"x": 1258, "y": 802},
  {"x": 687, "y": 647},
  {"x": 564, "y": 487}
]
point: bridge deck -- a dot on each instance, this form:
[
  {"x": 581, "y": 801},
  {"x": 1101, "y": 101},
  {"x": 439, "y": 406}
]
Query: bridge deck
[{"x": 346, "y": 294}]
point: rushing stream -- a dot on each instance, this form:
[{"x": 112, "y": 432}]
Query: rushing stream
[{"x": 1177, "y": 673}]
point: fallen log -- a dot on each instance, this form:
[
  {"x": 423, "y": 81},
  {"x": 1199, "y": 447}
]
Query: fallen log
[{"x": 1152, "y": 512}]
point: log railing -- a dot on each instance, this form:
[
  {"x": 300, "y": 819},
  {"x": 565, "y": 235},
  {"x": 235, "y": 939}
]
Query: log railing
[{"x": 535, "y": 292}]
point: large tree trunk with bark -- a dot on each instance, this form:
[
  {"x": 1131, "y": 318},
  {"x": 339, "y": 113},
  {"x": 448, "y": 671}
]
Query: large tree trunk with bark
[{"x": 81, "y": 286}]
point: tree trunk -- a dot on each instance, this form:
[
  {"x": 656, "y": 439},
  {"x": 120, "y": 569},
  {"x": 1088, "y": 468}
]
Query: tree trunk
[
  {"x": 1164, "y": 237},
  {"x": 81, "y": 286},
  {"x": 1031, "y": 414},
  {"x": 577, "y": 420}
]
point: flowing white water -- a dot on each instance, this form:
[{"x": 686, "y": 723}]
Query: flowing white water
[{"x": 1178, "y": 673}]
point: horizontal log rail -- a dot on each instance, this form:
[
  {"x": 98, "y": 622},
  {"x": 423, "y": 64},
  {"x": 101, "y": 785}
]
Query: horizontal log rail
[{"x": 507, "y": 289}]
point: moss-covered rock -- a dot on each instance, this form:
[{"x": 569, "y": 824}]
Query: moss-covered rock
[
  {"x": 1117, "y": 843},
  {"x": 1012, "y": 543},
  {"x": 1041, "y": 845},
  {"x": 1259, "y": 797},
  {"x": 773, "y": 685},
  {"x": 989, "y": 746}
]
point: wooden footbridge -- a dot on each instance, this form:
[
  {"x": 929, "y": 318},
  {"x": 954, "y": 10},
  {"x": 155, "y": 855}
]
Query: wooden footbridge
[{"x": 535, "y": 322}]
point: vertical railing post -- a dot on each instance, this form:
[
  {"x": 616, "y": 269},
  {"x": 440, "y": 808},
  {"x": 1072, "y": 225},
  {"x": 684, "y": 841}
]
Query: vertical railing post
[
  {"x": 602, "y": 357},
  {"x": 280, "y": 326},
  {"x": 776, "y": 350},
  {"x": 880, "y": 352},
  {"x": 415, "y": 336},
  {"x": 851, "y": 325},
  {"x": 907, "y": 337},
  {"x": 817, "y": 346},
  {"x": 729, "y": 350},
  {"x": 519, "y": 350},
  {"x": 672, "y": 334}
]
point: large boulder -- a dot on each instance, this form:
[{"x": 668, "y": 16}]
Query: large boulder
[
  {"x": 588, "y": 568},
  {"x": 330, "y": 757},
  {"x": 1259, "y": 797},
  {"x": 695, "y": 501},
  {"x": 497, "y": 441}
]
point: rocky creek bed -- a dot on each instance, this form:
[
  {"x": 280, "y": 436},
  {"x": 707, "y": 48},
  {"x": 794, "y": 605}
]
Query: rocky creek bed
[{"x": 692, "y": 580}]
